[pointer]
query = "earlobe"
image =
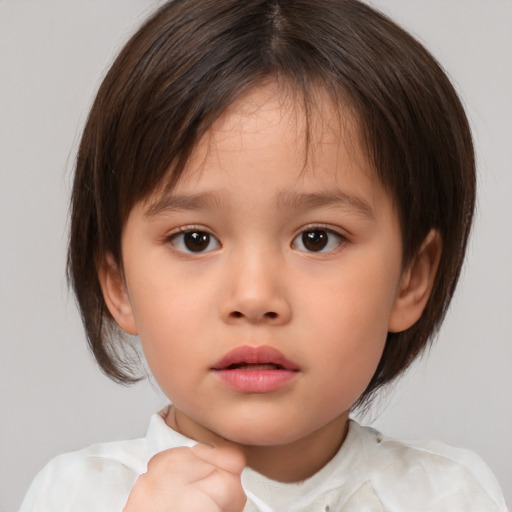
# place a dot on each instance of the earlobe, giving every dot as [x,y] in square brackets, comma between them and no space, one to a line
[416,284]
[115,294]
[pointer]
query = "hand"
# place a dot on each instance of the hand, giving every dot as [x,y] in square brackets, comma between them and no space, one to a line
[197,479]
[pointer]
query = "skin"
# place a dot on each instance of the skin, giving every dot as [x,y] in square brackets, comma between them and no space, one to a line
[201,478]
[257,283]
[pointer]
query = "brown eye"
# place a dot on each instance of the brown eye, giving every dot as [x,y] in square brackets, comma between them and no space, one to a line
[317,240]
[194,241]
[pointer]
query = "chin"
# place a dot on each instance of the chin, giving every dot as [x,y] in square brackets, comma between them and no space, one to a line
[253,438]
[261,433]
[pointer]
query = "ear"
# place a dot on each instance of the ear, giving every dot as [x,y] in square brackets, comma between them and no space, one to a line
[416,284]
[115,294]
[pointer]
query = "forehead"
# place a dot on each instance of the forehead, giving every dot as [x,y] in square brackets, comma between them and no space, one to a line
[272,114]
[281,146]
[277,124]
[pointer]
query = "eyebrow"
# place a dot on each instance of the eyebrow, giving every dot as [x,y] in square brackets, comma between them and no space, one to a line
[300,201]
[171,203]
[285,200]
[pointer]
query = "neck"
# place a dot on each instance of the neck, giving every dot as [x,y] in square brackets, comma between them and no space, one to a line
[292,462]
[301,459]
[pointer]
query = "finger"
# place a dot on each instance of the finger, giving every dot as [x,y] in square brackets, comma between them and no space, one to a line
[227,458]
[224,489]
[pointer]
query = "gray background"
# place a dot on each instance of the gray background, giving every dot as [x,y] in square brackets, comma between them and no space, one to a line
[52,396]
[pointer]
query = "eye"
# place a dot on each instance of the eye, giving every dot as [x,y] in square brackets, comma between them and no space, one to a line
[194,241]
[317,240]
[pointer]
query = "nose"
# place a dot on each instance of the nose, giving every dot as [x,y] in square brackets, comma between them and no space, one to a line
[255,291]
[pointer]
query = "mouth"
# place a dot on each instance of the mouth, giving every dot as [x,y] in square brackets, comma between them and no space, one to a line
[253,370]
[255,358]
[254,366]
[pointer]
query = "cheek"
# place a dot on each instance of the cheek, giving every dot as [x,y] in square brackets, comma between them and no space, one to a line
[344,375]
[160,315]
[352,358]
[161,296]
[350,326]
[357,303]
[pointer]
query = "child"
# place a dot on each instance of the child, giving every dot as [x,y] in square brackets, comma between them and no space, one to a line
[276,197]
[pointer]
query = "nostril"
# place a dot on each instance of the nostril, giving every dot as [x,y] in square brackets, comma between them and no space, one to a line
[272,315]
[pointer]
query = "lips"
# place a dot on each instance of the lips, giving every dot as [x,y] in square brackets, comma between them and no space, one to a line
[255,370]
[263,357]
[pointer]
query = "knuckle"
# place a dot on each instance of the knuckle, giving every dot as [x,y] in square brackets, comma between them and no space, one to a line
[169,458]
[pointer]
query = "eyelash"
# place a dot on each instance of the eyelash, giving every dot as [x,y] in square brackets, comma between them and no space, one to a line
[321,236]
[339,239]
[178,239]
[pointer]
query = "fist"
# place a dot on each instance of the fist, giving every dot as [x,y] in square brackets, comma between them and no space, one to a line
[197,479]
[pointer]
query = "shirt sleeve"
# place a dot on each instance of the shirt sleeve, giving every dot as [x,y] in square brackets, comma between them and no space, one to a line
[80,482]
[432,476]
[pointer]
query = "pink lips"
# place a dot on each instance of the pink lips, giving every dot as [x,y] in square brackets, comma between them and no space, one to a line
[259,369]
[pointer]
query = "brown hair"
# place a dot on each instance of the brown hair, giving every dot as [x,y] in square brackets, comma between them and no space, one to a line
[193,58]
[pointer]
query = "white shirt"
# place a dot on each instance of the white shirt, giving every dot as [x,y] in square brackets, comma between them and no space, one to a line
[370,473]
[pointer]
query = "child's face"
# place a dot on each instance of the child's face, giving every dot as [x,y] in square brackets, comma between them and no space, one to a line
[251,250]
